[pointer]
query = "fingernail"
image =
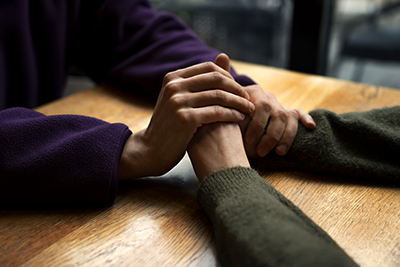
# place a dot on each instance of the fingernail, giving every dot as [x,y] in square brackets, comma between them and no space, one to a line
[312,122]
[247,95]
[282,149]
[252,107]
[250,139]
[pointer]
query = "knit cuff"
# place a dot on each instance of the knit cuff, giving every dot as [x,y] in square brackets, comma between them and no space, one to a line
[226,183]
[115,177]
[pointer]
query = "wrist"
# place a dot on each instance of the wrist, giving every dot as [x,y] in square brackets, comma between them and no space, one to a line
[214,167]
[133,159]
[216,147]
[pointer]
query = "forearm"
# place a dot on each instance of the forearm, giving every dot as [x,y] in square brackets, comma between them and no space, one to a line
[58,160]
[137,46]
[257,226]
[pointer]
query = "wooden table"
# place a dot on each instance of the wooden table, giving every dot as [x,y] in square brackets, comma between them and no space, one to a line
[157,221]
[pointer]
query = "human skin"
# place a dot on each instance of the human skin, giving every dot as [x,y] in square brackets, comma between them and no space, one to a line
[215,147]
[283,121]
[221,145]
[190,97]
[203,94]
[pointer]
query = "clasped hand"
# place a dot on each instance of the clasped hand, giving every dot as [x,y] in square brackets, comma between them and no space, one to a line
[201,95]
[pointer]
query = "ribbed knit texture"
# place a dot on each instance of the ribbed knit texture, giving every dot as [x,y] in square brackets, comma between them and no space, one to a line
[357,144]
[255,225]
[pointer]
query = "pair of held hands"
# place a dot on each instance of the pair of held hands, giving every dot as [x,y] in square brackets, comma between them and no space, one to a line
[203,110]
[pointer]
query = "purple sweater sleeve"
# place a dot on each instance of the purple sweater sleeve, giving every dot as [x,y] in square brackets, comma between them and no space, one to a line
[130,45]
[58,160]
[74,159]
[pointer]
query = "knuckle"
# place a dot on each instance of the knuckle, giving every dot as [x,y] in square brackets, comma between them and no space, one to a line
[176,101]
[183,116]
[274,138]
[218,111]
[264,104]
[217,77]
[293,113]
[171,88]
[208,66]
[219,96]
[266,107]
[258,124]
[170,76]
[282,115]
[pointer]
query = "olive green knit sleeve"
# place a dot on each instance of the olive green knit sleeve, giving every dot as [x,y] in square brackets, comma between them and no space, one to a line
[255,225]
[356,144]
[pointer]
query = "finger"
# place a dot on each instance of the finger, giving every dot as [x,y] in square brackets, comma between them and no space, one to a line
[289,134]
[306,119]
[197,69]
[209,81]
[211,114]
[216,97]
[274,133]
[243,125]
[250,148]
[255,128]
[223,61]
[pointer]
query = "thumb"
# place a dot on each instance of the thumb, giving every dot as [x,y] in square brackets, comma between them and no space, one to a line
[223,61]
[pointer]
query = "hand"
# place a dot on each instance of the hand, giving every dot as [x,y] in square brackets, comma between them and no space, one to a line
[282,124]
[215,147]
[283,121]
[190,98]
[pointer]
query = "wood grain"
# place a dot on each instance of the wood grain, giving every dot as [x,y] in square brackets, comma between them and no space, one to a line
[358,216]
[156,221]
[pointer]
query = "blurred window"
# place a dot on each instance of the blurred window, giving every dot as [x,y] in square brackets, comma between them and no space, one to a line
[365,43]
[254,31]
